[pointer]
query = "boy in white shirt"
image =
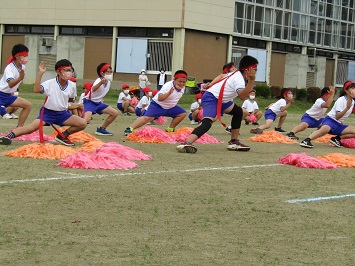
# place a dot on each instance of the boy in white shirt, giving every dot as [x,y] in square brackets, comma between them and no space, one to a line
[55,109]
[164,103]
[195,109]
[124,101]
[314,116]
[254,114]
[144,102]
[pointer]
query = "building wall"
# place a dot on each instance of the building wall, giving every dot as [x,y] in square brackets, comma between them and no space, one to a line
[296,66]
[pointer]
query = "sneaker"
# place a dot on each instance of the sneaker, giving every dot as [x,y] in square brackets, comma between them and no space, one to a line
[292,135]
[236,145]
[14,116]
[229,130]
[7,116]
[169,129]
[64,140]
[279,129]
[246,123]
[256,131]
[186,147]
[193,122]
[255,123]
[5,140]
[126,114]
[336,141]
[306,143]
[128,130]
[103,132]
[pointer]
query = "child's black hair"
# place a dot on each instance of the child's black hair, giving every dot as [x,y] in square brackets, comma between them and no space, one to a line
[62,62]
[343,92]
[227,66]
[324,91]
[246,62]
[283,92]
[19,48]
[99,68]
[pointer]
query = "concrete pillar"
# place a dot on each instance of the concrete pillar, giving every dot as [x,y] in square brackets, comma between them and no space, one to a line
[178,50]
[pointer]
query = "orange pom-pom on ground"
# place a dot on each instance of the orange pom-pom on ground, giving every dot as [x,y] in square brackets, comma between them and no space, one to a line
[272,137]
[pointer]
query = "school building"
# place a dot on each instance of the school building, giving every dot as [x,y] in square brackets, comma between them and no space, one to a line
[299,43]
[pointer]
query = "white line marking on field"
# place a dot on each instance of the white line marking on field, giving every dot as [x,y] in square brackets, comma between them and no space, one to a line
[66,176]
[320,198]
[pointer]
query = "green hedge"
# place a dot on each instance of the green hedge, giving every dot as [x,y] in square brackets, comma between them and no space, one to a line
[263,91]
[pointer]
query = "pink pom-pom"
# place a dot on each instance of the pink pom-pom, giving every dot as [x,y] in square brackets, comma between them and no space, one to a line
[34,136]
[150,135]
[305,161]
[348,143]
[200,114]
[161,120]
[121,151]
[252,118]
[134,101]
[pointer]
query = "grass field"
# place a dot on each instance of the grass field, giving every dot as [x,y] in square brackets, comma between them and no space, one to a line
[214,207]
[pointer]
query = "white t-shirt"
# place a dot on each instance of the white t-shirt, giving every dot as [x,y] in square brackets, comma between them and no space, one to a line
[276,107]
[194,105]
[161,79]
[172,99]
[234,84]
[99,94]
[58,96]
[11,72]
[339,106]
[144,101]
[122,96]
[142,80]
[317,111]
[250,105]
[81,98]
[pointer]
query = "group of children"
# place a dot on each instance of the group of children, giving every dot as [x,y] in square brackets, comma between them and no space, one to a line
[215,99]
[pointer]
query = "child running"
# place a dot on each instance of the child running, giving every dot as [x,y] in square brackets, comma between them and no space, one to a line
[333,122]
[314,116]
[276,110]
[219,98]
[93,101]
[13,75]
[164,103]
[55,108]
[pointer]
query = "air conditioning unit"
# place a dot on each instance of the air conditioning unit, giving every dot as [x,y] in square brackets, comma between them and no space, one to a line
[312,61]
[48,42]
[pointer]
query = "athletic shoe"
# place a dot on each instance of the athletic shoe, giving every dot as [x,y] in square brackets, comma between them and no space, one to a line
[186,147]
[193,122]
[128,130]
[246,123]
[5,140]
[306,143]
[7,116]
[336,141]
[14,116]
[256,131]
[103,132]
[64,140]
[236,145]
[255,123]
[126,114]
[292,135]
[229,130]
[279,129]
[169,129]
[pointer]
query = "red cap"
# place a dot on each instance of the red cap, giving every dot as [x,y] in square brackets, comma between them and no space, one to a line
[125,86]
[73,79]
[198,96]
[155,92]
[146,90]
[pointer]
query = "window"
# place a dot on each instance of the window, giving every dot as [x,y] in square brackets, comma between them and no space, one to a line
[159,55]
[28,29]
[86,31]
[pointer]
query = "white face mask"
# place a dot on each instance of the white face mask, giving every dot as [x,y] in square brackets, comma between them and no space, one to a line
[251,97]
[199,101]
[108,77]
[126,92]
[150,94]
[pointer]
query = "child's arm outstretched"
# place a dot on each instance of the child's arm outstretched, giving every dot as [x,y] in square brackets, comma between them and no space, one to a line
[41,69]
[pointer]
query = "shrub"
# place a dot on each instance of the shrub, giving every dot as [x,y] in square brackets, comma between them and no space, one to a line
[263,90]
[275,91]
[302,94]
[313,93]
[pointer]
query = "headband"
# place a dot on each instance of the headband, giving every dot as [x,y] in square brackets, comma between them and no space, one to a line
[248,67]
[347,84]
[104,67]
[180,75]
[62,67]
[12,58]
[286,92]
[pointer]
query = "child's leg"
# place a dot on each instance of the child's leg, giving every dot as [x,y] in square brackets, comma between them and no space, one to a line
[282,118]
[195,114]
[177,119]
[267,124]
[349,132]
[320,132]
[75,124]
[19,131]
[87,116]
[112,116]
[26,108]
[301,127]
[142,120]
[258,115]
